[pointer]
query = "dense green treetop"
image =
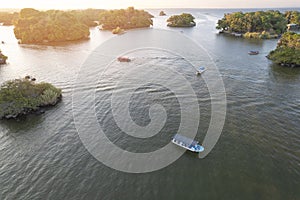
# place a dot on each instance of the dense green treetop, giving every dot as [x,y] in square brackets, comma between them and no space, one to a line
[293,17]
[287,51]
[8,18]
[35,26]
[270,21]
[125,18]
[89,17]
[183,20]
[21,96]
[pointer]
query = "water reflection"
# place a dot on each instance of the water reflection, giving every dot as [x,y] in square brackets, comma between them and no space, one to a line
[281,73]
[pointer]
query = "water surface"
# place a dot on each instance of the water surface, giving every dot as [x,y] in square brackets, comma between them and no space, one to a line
[257,156]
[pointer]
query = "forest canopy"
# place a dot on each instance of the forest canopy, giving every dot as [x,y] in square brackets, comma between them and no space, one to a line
[271,22]
[7,18]
[89,17]
[287,51]
[35,26]
[293,17]
[125,19]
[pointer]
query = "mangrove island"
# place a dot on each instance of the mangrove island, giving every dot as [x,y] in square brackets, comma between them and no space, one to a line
[183,20]
[35,26]
[162,13]
[125,19]
[260,24]
[23,96]
[287,52]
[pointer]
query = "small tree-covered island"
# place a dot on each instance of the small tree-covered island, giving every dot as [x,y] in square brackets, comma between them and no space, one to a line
[183,20]
[260,24]
[162,13]
[23,96]
[35,26]
[287,52]
[125,19]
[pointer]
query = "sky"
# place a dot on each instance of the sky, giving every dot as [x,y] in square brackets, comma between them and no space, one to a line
[110,4]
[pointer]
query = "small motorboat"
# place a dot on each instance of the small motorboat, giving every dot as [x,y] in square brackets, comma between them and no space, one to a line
[200,70]
[124,59]
[187,143]
[253,52]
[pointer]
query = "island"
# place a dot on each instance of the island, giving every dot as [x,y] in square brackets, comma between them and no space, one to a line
[7,18]
[23,96]
[125,19]
[3,58]
[183,20]
[287,52]
[260,24]
[162,13]
[35,26]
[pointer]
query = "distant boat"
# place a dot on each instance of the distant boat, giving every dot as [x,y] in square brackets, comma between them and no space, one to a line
[187,143]
[124,59]
[253,52]
[200,70]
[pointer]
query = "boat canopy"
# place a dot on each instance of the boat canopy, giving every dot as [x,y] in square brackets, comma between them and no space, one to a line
[185,140]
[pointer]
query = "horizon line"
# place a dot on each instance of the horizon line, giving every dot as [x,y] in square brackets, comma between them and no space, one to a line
[225,8]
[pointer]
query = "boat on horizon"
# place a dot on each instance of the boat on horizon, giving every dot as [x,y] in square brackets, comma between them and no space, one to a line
[187,143]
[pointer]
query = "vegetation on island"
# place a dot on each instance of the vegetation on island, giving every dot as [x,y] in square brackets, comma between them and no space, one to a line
[7,18]
[183,20]
[260,24]
[89,17]
[125,19]
[287,52]
[118,30]
[35,26]
[23,96]
[293,17]
[3,58]
[162,13]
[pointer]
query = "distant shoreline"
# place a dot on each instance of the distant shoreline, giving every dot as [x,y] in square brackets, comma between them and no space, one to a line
[175,8]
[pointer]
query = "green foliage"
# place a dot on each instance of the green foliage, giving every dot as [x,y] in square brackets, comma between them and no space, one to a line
[270,21]
[34,26]
[8,18]
[183,20]
[3,58]
[22,95]
[117,30]
[287,51]
[162,13]
[89,17]
[293,17]
[258,35]
[125,19]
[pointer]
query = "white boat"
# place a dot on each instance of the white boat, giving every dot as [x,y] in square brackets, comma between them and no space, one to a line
[187,143]
[200,70]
